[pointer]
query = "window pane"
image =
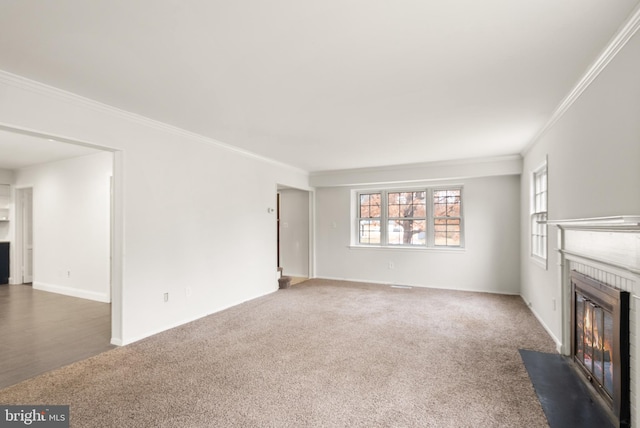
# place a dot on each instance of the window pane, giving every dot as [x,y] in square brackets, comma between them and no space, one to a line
[406,232]
[370,205]
[369,231]
[406,210]
[407,205]
[539,209]
[420,210]
[446,203]
[539,235]
[447,232]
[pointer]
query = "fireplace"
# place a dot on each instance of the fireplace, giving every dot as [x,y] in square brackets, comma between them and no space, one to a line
[600,341]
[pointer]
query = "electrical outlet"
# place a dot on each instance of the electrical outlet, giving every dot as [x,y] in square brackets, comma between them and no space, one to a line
[166,297]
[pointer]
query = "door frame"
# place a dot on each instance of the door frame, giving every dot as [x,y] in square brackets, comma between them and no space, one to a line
[117,223]
[312,226]
[20,245]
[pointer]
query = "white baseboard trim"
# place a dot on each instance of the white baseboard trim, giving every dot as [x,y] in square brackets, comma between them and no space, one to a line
[129,341]
[544,325]
[420,285]
[73,292]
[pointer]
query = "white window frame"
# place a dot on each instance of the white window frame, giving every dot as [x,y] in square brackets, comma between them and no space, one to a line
[538,233]
[384,218]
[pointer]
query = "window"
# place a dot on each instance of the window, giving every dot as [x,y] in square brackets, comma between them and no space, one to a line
[447,217]
[369,220]
[407,218]
[539,213]
[410,218]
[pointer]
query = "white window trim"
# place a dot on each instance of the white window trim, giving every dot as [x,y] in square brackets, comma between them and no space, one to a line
[535,211]
[384,219]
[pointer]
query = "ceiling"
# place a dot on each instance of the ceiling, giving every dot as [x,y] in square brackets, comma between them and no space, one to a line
[20,150]
[321,85]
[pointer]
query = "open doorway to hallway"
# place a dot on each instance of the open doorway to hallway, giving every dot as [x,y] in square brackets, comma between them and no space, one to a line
[294,217]
[23,251]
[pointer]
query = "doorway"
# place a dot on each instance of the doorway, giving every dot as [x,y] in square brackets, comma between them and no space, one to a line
[24,236]
[42,149]
[294,240]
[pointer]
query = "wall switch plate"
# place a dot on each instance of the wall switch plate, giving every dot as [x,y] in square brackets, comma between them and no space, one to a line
[166,297]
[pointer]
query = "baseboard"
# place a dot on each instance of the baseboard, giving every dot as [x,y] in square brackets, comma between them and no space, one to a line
[557,341]
[188,320]
[73,292]
[367,281]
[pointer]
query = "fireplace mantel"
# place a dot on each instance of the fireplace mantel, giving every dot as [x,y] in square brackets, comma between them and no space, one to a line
[622,222]
[606,249]
[614,241]
[608,244]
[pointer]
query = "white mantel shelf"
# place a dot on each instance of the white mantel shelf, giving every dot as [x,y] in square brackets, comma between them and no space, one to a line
[614,241]
[608,248]
[614,222]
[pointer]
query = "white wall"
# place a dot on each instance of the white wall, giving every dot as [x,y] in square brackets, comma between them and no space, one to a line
[489,262]
[71,225]
[181,228]
[6,176]
[294,232]
[593,169]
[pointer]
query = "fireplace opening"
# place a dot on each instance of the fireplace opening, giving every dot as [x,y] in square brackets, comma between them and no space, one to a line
[600,341]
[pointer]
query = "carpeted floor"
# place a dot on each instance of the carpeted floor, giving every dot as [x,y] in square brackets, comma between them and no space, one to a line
[320,354]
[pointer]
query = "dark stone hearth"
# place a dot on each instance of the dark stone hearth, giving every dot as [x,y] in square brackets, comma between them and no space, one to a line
[564,397]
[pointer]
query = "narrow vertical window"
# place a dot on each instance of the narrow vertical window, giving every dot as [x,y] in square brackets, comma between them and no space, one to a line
[369,216]
[446,217]
[539,213]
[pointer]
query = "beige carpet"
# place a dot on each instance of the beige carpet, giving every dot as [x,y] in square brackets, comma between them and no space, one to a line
[320,354]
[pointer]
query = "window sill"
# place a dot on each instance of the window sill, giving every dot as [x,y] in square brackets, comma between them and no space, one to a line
[400,248]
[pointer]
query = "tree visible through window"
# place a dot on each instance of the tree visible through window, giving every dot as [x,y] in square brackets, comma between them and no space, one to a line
[447,219]
[417,217]
[369,219]
[407,214]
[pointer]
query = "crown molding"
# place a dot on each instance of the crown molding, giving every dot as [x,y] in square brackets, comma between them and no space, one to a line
[21,82]
[421,165]
[615,45]
[429,172]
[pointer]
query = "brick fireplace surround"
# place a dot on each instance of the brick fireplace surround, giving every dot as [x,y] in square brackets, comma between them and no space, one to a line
[606,249]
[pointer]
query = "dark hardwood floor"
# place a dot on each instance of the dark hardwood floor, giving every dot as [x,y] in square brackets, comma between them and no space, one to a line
[41,331]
